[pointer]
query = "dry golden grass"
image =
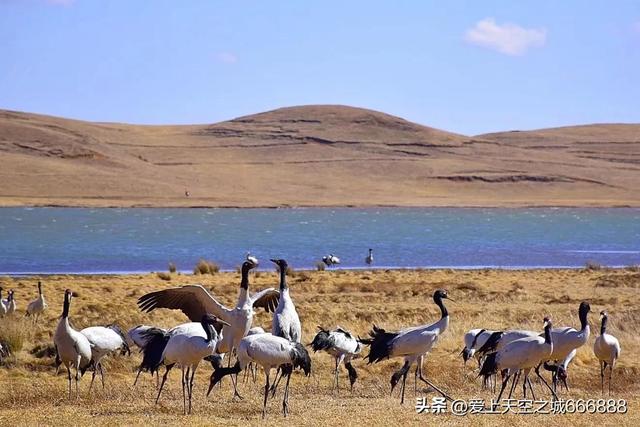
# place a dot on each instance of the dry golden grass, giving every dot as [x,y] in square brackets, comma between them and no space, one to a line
[30,393]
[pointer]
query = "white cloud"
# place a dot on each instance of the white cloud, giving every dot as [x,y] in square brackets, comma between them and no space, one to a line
[227,57]
[510,39]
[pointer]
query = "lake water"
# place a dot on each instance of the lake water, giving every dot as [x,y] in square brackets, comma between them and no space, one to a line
[53,240]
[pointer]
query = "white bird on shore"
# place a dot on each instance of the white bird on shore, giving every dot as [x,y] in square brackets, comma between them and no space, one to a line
[521,355]
[410,343]
[188,350]
[330,260]
[195,301]
[369,258]
[3,306]
[9,303]
[607,350]
[104,341]
[343,346]
[38,305]
[268,351]
[74,349]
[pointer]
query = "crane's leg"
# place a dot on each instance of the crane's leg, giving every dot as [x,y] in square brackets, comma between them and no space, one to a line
[185,378]
[101,374]
[404,380]
[531,387]
[610,375]
[555,396]
[164,379]
[602,375]
[516,377]
[69,378]
[266,394]
[78,360]
[138,376]
[285,399]
[93,377]
[418,372]
[193,373]
[247,373]
[429,383]
[505,380]
[276,381]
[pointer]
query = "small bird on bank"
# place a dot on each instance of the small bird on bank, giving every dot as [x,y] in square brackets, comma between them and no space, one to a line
[330,260]
[74,349]
[38,305]
[343,346]
[369,258]
[607,350]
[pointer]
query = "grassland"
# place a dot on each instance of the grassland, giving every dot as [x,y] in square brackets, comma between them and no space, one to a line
[30,393]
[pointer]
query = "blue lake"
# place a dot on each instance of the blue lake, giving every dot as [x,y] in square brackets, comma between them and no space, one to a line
[73,240]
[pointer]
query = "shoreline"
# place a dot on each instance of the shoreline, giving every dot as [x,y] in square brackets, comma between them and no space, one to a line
[382,269]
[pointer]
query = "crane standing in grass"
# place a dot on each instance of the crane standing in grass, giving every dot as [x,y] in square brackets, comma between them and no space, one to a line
[74,349]
[268,351]
[343,346]
[410,343]
[195,301]
[104,341]
[38,305]
[188,350]
[607,350]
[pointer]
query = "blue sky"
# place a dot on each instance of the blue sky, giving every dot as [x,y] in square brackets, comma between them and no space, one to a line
[464,66]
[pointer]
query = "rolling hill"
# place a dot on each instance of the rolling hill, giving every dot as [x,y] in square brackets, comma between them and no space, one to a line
[320,155]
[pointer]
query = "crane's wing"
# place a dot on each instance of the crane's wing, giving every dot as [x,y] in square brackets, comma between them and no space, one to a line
[267,299]
[194,301]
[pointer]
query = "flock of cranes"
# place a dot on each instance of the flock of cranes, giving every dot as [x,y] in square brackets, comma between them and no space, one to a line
[216,332]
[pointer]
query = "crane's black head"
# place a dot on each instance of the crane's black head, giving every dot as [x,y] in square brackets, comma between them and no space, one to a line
[281,263]
[248,265]
[547,322]
[584,307]
[441,294]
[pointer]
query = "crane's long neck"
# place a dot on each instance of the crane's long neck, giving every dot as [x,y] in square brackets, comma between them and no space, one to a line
[583,320]
[547,334]
[243,296]
[443,309]
[603,326]
[39,289]
[283,279]
[65,308]
[208,329]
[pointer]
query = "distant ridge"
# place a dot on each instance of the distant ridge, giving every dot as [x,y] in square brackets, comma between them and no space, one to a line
[314,155]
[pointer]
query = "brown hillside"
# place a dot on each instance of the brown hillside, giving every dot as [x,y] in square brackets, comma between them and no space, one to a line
[312,156]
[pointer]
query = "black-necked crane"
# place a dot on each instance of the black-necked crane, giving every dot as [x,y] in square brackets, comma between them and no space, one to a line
[343,346]
[104,340]
[410,343]
[285,322]
[560,370]
[38,305]
[369,258]
[9,303]
[252,369]
[195,301]
[74,349]
[607,350]
[3,306]
[268,351]
[153,341]
[188,350]
[330,260]
[566,339]
[520,355]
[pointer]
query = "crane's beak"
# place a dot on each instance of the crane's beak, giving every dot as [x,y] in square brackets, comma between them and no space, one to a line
[452,300]
[273,260]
